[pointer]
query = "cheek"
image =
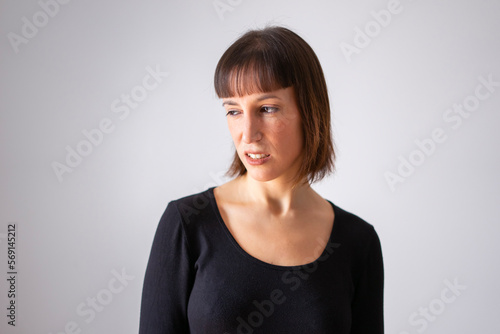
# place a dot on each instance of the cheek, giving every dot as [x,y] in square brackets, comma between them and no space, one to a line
[284,125]
[280,127]
[233,130]
[289,129]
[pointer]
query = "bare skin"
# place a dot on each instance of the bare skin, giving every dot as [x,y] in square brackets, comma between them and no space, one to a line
[293,238]
[271,220]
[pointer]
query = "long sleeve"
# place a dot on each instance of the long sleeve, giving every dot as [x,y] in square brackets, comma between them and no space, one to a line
[168,279]
[368,301]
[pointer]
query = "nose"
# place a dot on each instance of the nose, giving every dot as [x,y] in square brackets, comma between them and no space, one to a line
[251,129]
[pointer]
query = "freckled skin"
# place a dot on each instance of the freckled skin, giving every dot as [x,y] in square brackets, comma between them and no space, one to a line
[278,133]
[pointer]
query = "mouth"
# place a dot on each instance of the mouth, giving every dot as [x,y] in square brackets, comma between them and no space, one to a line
[257,156]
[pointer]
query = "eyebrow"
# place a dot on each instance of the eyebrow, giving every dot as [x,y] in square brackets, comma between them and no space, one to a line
[229,102]
[263,97]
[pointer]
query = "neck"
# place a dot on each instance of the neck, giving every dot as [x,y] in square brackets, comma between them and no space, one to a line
[278,196]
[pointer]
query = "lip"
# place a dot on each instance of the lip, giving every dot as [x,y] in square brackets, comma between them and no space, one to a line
[255,152]
[256,162]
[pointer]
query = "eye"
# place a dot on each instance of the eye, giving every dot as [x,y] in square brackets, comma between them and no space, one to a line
[269,110]
[232,113]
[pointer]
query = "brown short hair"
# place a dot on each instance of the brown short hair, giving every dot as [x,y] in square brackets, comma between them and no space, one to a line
[272,58]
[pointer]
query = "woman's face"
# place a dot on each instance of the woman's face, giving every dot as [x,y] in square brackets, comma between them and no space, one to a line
[267,133]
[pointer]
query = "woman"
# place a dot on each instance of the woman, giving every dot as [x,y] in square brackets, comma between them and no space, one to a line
[264,253]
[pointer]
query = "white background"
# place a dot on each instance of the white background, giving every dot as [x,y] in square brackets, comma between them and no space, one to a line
[439,223]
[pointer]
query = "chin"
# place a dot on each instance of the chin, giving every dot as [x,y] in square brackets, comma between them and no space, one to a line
[261,176]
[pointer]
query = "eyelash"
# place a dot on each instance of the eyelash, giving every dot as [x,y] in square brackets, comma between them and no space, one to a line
[274,109]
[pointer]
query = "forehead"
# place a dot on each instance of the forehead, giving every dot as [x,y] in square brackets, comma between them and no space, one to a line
[284,95]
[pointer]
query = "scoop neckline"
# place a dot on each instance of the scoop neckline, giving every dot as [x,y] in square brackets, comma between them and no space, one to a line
[261,262]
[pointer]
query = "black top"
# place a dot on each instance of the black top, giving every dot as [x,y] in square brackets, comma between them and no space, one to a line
[199,280]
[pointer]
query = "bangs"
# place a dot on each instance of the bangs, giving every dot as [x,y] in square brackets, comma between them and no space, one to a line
[245,70]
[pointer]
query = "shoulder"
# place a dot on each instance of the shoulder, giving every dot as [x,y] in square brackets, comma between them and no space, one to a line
[353,230]
[350,222]
[359,241]
[186,219]
[189,210]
